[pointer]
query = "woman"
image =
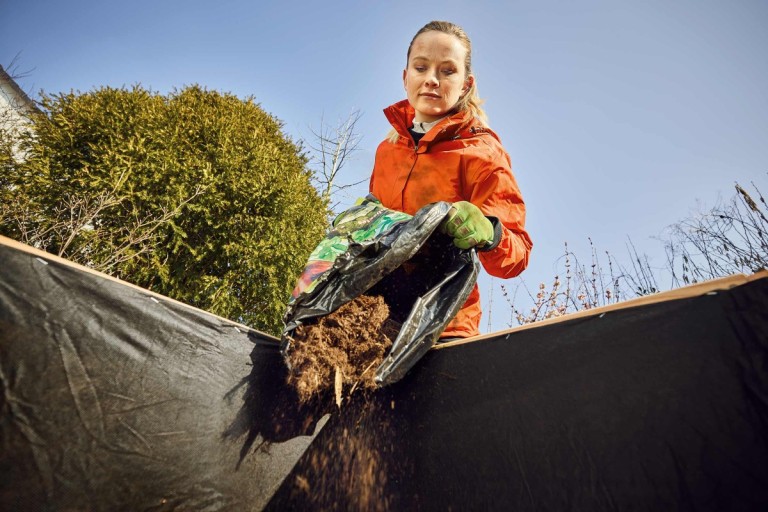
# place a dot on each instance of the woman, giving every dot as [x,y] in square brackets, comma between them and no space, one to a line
[440,149]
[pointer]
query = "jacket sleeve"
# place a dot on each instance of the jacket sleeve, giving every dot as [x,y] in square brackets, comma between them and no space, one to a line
[490,185]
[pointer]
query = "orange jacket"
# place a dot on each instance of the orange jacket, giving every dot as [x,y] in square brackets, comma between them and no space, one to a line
[459,159]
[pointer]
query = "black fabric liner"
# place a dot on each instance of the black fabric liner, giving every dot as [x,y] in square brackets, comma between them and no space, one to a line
[115,399]
[659,407]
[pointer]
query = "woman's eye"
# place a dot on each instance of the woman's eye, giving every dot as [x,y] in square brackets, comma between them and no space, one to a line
[448,71]
[420,69]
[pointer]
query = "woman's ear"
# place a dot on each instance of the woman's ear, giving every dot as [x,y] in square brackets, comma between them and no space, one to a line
[468,83]
[405,84]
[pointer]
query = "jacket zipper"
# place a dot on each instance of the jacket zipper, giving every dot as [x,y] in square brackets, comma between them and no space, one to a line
[407,178]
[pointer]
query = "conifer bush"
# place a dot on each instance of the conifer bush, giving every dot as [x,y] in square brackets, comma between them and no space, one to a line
[197,195]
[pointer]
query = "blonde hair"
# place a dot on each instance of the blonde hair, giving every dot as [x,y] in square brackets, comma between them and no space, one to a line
[470,101]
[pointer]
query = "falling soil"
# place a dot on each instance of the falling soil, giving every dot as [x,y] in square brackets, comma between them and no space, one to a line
[359,459]
[342,350]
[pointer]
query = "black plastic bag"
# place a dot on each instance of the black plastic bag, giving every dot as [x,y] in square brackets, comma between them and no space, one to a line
[422,276]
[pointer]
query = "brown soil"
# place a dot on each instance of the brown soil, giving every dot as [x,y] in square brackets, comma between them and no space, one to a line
[342,350]
[361,456]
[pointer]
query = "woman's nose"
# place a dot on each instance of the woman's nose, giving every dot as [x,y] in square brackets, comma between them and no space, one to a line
[432,80]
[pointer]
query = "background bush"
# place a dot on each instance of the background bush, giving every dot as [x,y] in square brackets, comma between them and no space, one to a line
[196,195]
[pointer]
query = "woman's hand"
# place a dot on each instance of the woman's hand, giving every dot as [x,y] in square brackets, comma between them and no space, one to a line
[468,226]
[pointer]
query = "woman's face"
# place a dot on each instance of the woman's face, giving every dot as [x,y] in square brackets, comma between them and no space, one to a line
[435,78]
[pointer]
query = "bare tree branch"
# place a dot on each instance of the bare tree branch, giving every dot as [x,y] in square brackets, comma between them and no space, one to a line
[332,146]
[13,68]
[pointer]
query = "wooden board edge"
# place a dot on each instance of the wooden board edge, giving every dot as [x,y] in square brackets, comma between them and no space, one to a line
[684,292]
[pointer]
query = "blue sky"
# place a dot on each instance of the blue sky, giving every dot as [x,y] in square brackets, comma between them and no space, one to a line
[620,117]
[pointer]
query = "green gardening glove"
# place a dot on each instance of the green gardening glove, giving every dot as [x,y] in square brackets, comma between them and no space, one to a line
[468,226]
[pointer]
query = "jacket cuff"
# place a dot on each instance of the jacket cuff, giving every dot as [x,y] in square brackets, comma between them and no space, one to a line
[496,235]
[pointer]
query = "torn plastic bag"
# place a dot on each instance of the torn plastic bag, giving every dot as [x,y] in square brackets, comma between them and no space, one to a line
[422,276]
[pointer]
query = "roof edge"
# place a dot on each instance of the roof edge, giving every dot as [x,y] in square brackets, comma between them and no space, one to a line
[27,103]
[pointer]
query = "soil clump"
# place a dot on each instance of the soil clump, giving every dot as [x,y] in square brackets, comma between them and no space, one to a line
[341,350]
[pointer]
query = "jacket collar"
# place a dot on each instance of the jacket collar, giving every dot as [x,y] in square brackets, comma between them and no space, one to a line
[401,115]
